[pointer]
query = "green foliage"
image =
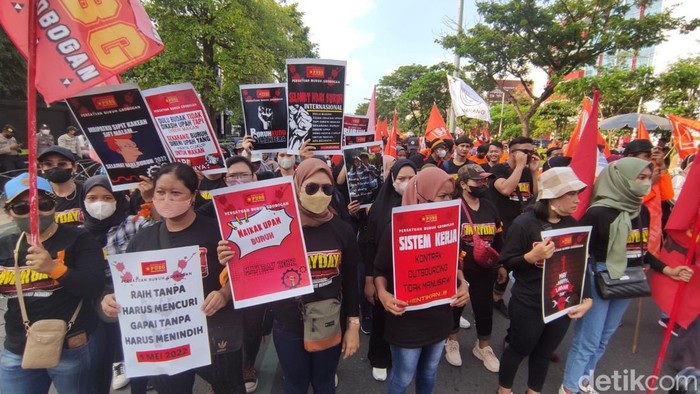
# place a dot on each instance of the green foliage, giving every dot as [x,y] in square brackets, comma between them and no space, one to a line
[679,87]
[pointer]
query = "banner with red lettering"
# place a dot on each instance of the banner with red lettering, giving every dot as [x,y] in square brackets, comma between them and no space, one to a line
[355,125]
[265,115]
[163,328]
[262,224]
[316,100]
[564,274]
[184,125]
[81,43]
[425,241]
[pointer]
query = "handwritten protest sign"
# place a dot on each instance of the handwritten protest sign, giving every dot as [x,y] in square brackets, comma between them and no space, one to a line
[564,274]
[265,115]
[185,127]
[365,170]
[164,330]
[261,221]
[425,241]
[316,99]
[118,124]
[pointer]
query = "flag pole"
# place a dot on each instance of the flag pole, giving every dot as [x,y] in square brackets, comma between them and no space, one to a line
[31,123]
[676,305]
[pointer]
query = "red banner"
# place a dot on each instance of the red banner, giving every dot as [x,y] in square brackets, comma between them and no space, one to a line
[261,221]
[425,241]
[81,43]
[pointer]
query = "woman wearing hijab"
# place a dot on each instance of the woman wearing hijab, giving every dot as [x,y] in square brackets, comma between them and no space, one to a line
[389,196]
[416,337]
[619,221]
[523,253]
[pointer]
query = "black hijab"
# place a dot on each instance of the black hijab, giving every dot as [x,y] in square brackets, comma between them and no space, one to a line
[99,228]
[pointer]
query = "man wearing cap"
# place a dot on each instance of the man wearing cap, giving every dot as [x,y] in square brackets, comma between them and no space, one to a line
[70,141]
[60,275]
[57,164]
[10,150]
[462,147]
[44,139]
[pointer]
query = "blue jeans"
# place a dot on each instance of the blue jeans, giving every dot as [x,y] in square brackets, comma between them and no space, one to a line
[420,362]
[75,373]
[302,368]
[592,334]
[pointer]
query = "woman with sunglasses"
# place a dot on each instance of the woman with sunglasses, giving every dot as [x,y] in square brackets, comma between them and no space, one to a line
[173,199]
[63,272]
[523,253]
[416,337]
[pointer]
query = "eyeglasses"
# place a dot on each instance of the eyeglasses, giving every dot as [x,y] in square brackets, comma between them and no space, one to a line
[312,188]
[22,208]
[239,175]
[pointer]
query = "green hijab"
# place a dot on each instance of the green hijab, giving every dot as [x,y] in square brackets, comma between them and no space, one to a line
[616,187]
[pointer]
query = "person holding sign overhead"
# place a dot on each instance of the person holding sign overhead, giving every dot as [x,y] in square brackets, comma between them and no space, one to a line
[524,253]
[416,337]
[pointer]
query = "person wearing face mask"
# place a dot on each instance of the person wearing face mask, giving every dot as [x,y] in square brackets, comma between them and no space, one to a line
[64,272]
[379,219]
[44,139]
[173,198]
[619,219]
[472,189]
[416,337]
[58,165]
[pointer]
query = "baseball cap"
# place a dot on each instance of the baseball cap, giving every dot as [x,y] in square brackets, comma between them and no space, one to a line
[558,181]
[637,146]
[473,171]
[57,150]
[19,184]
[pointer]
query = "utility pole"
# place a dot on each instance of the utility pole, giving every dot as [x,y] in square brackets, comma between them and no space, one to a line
[451,116]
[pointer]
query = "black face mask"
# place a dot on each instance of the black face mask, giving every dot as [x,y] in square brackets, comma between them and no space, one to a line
[58,175]
[479,191]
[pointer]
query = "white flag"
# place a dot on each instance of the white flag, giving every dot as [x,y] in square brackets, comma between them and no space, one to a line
[466,102]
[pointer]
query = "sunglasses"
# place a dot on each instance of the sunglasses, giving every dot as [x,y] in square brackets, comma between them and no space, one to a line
[22,208]
[312,188]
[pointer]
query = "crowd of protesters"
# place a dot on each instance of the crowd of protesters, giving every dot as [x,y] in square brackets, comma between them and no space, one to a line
[508,190]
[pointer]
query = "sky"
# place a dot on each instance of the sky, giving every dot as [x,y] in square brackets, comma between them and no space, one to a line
[378,36]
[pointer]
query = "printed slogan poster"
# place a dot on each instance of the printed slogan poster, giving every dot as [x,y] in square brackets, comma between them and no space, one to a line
[116,121]
[185,127]
[564,274]
[316,99]
[425,241]
[265,115]
[261,221]
[164,330]
[354,126]
[365,171]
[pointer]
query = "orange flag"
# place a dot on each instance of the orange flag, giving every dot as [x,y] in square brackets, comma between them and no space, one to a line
[642,132]
[583,116]
[686,135]
[390,148]
[436,126]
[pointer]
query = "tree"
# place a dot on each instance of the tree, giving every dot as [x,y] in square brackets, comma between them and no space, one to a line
[219,44]
[679,87]
[558,37]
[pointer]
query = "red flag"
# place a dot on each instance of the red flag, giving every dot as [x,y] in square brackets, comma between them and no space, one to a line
[390,148]
[642,132]
[583,116]
[436,126]
[372,114]
[81,43]
[686,135]
[585,156]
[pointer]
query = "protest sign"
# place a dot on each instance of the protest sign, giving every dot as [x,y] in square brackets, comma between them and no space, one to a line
[163,328]
[564,274]
[425,241]
[365,171]
[261,220]
[355,125]
[316,99]
[118,124]
[361,139]
[265,115]
[185,127]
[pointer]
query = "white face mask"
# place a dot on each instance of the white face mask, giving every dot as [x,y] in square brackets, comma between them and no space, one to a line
[101,210]
[286,163]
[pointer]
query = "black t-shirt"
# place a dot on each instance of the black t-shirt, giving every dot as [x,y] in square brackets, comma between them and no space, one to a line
[489,227]
[333,256]
[46,298]
[509,207]
[413,329]
[601,218]
[68,208]
[225,324]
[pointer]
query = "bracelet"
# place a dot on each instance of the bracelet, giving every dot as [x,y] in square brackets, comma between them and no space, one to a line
[354,320]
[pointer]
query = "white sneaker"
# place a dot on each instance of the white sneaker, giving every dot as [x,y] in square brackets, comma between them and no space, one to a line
[486,355]
[119,379]
[464,323]
[379,374]
[452,353]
